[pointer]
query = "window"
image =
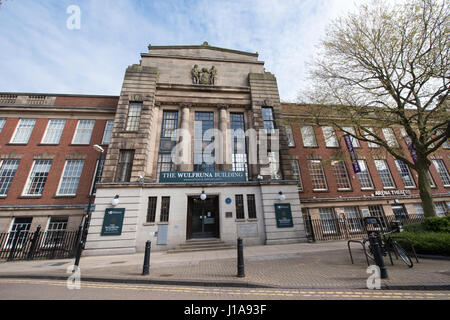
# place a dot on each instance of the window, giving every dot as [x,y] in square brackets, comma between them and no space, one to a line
[274,165]
[83,132]
[290,137]
[23,131]
[430,177]
[22,224]
[389,135]
[239,206]
[364,176]
[203,141]
[38,176]
[329,135]
[308,136]
[108,131]
[165,206]
[328,220]
[71,177]
[2,123]
[54,131]
[251,205]
[8,170]
[385,174]
[355,142]
[125,165]
[134,117]
[353,218]
[399,212]
[297,174]
[98,175]
[405,174]
[151,209]
[55,231]
[369,137]
[169,124]
[419,210]
[168,129]
[267,114]
[317,175]
[442,171]
[441,209]
[445,145]
[341,174]
[239,155]
[377,211]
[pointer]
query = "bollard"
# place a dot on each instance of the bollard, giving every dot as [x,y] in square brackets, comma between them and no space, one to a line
[240,258]
[378,255]
[146,268]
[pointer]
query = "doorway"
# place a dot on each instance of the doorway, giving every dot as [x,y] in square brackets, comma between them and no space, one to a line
[203,218]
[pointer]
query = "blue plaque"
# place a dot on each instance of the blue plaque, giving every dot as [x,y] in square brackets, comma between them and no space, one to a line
[228,200]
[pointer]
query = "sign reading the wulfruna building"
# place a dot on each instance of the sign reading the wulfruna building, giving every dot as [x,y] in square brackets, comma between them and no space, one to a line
[202,177]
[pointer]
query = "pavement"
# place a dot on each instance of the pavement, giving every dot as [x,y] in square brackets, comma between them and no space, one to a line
[324,265]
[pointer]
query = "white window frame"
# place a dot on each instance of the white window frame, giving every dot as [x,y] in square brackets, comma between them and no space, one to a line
[2,123]
[322,173]
[388,171]
[390,138]
[298,174]
[443,175]
[12,178]
[328,219]
[28,183]
[77,132]
[58,193]
[308,136]
[20,243]
[353,216]
[109,124]
[330,137]
[333,163]
[369,137]
[46,132]
[17,130]
[397,164]
[290,136]
[368,174]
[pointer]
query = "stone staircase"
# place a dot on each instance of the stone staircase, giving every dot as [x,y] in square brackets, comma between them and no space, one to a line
[205,244]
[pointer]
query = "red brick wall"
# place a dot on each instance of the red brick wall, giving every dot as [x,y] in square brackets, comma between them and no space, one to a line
[60,151]
[325,153]
[77,101]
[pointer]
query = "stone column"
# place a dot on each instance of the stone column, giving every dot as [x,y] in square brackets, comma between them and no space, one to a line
[224,153]
[185,139]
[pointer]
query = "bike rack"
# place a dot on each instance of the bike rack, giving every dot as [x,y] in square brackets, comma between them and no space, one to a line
[350,251]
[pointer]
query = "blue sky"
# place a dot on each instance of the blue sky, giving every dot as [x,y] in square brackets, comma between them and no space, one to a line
[38,53]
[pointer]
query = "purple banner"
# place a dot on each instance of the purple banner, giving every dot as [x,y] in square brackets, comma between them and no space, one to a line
[353,158]
[411,149]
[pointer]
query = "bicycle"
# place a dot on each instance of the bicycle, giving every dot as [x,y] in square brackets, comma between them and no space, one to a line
[388,245]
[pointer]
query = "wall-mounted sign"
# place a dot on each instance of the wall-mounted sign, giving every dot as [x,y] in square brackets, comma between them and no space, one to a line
[202,177]
[113,221]
[392,193]
[365,213]
[353,157]
[283,215]
[228,214]
[228,200]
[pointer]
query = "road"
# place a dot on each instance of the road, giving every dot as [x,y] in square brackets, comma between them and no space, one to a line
[26,289]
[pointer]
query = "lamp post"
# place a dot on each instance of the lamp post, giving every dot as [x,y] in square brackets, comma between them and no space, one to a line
[87,217]
[203,198]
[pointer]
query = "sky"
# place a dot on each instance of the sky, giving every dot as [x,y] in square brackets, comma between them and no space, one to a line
[42,52]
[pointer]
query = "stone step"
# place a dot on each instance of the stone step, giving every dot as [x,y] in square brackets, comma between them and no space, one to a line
[179,250]
[201,245]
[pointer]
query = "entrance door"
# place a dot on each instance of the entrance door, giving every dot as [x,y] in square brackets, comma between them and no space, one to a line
[206,211]
[399,212]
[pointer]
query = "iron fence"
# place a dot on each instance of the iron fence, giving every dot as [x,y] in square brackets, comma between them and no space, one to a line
[24,245]
[350,228]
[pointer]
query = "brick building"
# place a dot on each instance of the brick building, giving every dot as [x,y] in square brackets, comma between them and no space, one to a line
[47,159]
[172,98]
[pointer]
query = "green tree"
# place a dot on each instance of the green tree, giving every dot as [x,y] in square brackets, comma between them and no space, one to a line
[387,65]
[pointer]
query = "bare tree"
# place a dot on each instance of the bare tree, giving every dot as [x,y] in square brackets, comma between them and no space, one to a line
[387,65]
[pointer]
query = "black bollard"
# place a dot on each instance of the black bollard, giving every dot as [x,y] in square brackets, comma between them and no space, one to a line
[375,244]
[240,258]
[146,268]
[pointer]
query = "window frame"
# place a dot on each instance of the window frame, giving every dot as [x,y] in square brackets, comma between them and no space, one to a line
[61,180]
[58,140]
[398,164]
[76,133]
[14,136]
[4,183]
[331,134]
[107,132]
[338,177]
[310,162]
[121,166]
[134,120]
[359,174]
[444,175]
[28,183]
[389,174]
[308,135]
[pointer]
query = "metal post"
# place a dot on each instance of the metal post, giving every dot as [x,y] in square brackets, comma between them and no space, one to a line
[378,255]
[240,258]
[146,268]
[34,243]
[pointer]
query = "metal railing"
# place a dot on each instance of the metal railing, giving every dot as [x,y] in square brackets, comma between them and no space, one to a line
[25,245]
[350,228]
